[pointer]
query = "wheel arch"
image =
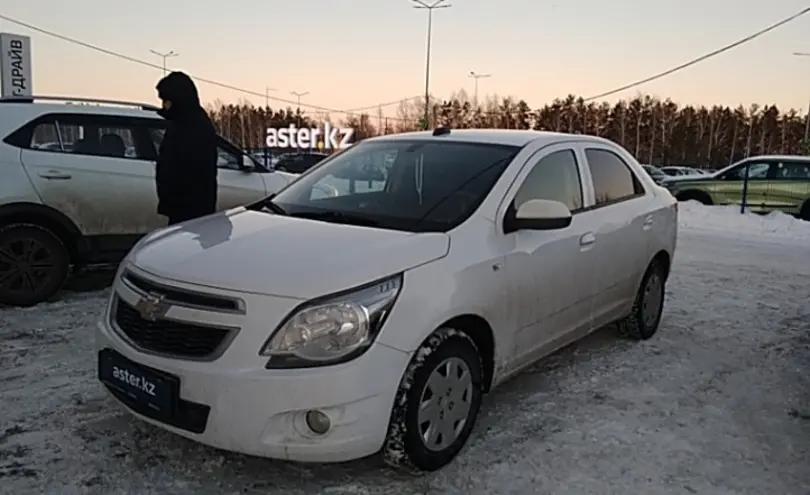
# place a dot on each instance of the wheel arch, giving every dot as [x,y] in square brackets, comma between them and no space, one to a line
[49,218]
[481,333]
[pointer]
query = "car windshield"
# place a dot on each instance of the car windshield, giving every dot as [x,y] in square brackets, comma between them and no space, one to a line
[411,185]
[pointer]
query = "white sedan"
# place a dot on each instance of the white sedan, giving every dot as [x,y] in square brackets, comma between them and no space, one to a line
[325,328]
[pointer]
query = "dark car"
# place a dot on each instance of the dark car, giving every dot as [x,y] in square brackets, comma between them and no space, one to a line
[656,173]
[298,163]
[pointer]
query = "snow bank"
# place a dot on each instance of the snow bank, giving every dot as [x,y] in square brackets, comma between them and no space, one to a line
[727,220]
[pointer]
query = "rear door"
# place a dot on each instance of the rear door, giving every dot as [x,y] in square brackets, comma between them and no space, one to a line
[788,186]
[98,170]
[623,233]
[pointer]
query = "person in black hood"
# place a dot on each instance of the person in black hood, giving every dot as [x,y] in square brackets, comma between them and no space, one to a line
[186,172]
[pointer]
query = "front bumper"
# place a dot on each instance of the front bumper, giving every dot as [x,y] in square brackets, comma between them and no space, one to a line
[240,406]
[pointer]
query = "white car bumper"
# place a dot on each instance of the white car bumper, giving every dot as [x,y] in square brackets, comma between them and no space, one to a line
[234,403]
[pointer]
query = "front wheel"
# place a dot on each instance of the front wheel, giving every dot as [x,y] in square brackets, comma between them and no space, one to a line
[437,403]
[34,264]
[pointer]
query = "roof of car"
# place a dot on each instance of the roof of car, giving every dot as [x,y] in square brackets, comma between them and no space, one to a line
[18,109]
[791,158]
[509,137]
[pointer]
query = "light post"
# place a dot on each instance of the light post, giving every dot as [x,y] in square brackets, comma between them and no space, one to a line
[436,4]
[298,110]
[164,56]
[807,120]
[476,76]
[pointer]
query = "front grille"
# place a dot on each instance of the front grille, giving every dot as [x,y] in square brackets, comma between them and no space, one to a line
[167,337]
[182,297]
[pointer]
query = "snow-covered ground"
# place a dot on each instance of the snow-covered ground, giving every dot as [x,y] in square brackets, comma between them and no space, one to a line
[717,403]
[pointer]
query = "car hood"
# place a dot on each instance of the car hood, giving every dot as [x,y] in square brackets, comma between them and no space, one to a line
[262,253]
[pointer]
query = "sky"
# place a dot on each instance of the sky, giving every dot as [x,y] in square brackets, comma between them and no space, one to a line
[348,54]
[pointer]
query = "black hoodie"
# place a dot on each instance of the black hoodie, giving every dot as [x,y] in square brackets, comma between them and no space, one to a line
[186,173]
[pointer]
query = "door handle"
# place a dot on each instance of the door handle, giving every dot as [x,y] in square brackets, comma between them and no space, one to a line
[648,222]
[54,175]
[587,239]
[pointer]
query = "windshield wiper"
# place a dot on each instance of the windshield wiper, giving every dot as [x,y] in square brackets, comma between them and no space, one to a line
[336,217]
[267,204]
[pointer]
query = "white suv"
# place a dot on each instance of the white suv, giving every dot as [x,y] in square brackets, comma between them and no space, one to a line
[315,328]
[77,187]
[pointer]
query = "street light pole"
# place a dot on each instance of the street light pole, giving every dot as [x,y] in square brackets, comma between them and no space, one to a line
[807,121]
[437,4]
[164,56]
[298,110]
[477,77]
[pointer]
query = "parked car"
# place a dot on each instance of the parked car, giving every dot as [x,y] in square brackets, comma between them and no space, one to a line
[677,171]
[775,183]
[327,329]
[78,188]
[298,163]
[655,173]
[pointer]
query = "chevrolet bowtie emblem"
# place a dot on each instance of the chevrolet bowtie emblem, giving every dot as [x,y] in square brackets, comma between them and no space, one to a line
[151,307]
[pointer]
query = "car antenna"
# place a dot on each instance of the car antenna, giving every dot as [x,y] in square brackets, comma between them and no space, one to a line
[441,131]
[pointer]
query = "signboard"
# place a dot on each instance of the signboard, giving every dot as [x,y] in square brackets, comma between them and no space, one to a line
[15,66]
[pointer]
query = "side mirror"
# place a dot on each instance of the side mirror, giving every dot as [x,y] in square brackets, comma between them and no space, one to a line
[540,214]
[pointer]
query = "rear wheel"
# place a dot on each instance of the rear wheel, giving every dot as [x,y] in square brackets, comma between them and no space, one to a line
[698,196]
[644,318]
[34,264]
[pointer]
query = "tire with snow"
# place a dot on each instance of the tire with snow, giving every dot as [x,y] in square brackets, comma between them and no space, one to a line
[437,403]
[34,264]
[644,318]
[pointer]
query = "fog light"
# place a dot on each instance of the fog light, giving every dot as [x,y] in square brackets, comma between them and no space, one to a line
[318,422]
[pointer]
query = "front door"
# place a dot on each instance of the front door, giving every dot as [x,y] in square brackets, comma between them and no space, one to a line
[729,188]
[551,283]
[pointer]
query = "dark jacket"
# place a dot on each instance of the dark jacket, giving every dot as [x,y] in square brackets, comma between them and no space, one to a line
[186,172]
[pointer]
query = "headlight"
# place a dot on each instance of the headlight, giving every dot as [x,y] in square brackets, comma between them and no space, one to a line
[332,330]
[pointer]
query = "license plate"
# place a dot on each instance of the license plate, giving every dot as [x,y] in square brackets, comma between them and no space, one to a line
[145,388]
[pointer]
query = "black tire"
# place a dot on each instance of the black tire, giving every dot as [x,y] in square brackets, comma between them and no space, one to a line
[34,264]
[804,213]
[404,446]
[636,325]
[698,196]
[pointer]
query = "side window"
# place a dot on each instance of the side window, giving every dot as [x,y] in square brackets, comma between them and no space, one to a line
[228,159]
[46,137]
[83,136]
[555,177]
[612,178]
[756,171]
[792,171]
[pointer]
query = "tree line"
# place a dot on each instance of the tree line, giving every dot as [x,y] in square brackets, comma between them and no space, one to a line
[656,131]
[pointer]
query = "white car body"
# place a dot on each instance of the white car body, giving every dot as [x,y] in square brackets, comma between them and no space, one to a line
[535,291]
[99,203]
